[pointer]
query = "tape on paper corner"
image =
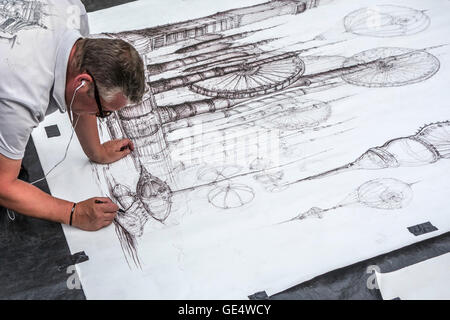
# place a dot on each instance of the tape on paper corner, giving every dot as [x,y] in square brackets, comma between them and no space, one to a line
[73,259]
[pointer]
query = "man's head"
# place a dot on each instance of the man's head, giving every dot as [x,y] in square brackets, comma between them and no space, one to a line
[112,72]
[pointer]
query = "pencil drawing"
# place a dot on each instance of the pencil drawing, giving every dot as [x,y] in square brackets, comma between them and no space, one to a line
[272,181]
[152,199]
[213,174]
[217,84]
[222,42]
[427,146]
[287,65]
[384,193]
[230,195]
[226,114]
[391,67]
[150,39]
[379,21]
[386,21]
[252,79]
[225,194]
[298,114]
[234,52]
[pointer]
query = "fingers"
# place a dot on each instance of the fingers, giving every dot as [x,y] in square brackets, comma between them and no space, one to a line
[117,149]
[109,216]
[126,144]
[125,152]
[95,213]
[106,219]
[102,200]
[106,223]
[108,207]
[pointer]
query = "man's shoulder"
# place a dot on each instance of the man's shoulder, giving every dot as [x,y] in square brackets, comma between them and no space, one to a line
[70,15]
[36,26]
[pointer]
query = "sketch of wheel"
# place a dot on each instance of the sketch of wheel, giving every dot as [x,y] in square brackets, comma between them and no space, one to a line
[253,80]
[389,67]
[212,174]
[386,21]
[387,193]
[229,196]
[437,136]
[383,193]
[298,114]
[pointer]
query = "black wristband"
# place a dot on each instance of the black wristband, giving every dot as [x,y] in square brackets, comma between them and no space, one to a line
[71,213]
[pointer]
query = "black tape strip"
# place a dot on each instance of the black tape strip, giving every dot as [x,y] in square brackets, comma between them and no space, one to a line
[422,228]
[74,259]
[262,295]
[52,131]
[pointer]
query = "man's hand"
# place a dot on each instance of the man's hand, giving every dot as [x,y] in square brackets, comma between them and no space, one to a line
[91,215]
[115,150]
[105,153]
[25,198]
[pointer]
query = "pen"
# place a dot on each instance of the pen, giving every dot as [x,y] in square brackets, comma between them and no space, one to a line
[120,210]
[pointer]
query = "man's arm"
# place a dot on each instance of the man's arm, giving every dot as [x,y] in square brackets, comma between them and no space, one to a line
[108,152]
[29,200]
[24,198]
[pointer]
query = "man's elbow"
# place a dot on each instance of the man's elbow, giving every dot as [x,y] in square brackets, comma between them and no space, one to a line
[7,185]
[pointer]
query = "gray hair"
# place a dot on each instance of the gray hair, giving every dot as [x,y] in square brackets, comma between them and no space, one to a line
[116,66]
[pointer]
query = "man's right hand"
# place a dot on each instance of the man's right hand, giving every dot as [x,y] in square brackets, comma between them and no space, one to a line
[91,215]
[25,198]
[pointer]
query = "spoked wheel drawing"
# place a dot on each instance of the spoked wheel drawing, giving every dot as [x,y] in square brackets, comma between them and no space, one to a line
[253,79]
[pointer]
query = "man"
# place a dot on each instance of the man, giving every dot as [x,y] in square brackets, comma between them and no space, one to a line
[46,65]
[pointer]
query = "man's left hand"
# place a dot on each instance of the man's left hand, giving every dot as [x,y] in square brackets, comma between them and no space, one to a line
[115,150]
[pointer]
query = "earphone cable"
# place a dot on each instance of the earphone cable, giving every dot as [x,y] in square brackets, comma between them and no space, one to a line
[70,140]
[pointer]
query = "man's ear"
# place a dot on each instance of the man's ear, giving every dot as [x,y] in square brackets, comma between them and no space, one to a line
[82,82]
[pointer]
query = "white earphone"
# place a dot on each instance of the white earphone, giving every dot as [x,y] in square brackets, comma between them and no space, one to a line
[81,85]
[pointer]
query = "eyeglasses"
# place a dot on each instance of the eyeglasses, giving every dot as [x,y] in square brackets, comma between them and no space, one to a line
[101,114]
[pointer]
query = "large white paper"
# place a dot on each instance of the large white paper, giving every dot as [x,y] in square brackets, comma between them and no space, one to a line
[313,145]
[427,280]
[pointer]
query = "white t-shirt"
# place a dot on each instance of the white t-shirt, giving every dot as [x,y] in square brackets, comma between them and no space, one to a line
[36,38]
